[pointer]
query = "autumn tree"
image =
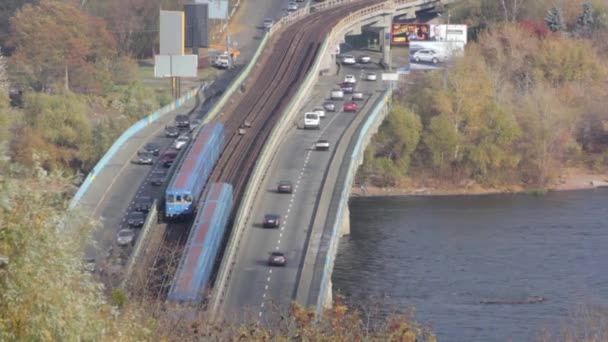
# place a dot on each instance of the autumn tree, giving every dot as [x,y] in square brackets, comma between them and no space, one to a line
[555,19]
[57,46]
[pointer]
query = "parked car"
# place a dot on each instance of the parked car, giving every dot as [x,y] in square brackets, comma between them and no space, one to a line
[277,259]
[350,107]
[158,177]
[195,123]
[221,61]
[357,96]
[152,148]
[292,6]
[348,60]
[143,204]
[329,106]
[320,111]
[182,121]
[125,237]
[144,158]
[350,79]
[268,22]
[136,219]
[371,76]
[272,221]
[168,158]
[322,145]
[427,55]
[180,142]
[285,187]
[337,94]
[365,59]
[171,131]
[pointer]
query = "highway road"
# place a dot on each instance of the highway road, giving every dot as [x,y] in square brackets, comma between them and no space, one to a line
[255,287]
[113,194]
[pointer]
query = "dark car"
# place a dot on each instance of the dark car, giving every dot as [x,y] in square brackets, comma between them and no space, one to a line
[143,204]
[171,131]
[322,145]
[158,177]
[168,158]
[152,148]
[277,259]
[182,121]
[136,219]
[272,221]
[347,87]
[144,158]
[285,186]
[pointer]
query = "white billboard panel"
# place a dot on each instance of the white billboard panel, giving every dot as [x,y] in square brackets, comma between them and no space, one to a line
[393,76]
[172,32]
[175,66]
[433,55]
[218,9]
[449,33]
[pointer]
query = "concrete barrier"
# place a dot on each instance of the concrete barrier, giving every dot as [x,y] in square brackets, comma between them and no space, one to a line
[368,129]
[131,131]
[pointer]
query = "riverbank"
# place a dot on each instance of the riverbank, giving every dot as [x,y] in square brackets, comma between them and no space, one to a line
[571,179]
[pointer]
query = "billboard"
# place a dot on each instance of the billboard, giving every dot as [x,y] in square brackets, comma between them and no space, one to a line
[449,33]
[172,32]
[175,66]
[197,25]
[404,33]
[218,9]
[433,55]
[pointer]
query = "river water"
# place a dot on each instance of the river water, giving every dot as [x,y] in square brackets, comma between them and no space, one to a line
[445,255]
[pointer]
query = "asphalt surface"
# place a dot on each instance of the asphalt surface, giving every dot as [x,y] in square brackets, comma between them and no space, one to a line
[255,287]
[115,190]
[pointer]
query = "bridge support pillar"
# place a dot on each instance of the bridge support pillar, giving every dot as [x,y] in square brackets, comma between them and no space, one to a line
[385,40]
[345,222]
[328,302]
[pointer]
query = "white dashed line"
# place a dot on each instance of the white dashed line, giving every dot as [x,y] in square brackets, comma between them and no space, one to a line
[280,235]
[262,305]
[266,288]
[268,279]
[264,295]
[260,314]
[270,270]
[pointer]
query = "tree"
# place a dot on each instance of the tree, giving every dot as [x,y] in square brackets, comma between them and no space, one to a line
[585,21]
[555,19]
[51,41]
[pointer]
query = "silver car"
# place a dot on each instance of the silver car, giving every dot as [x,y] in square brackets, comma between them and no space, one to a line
[292,6]
[357,96]
[268,22]
[427,55]
[329,106]
[125,237]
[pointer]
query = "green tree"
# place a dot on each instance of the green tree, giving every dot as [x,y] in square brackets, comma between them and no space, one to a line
[441,140]
[404,128]
[555,19]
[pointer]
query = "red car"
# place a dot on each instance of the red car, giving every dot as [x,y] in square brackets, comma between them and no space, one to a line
[168,157]
[350,107]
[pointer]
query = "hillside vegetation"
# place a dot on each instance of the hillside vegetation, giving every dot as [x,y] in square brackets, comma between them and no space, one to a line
[523,103]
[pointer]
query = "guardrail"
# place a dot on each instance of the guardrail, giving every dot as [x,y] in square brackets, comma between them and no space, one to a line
[142,240]
[364,136]
[131,131]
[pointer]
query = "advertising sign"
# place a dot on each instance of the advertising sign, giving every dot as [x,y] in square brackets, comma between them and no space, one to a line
[449,33]
[218,9]
[404,33]
[432,55]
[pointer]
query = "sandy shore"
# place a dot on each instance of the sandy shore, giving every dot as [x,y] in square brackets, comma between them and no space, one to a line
[571,179]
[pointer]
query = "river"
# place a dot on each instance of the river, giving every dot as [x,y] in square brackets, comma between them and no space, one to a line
[445,255]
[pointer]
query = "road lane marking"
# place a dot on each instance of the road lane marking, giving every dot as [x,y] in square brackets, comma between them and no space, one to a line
[266,288]
[262,305]
[260,315]
[270,270]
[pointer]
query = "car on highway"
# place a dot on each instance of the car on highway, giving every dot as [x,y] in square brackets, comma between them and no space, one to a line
[268,22]
[320,111]
[143,204]
[347,87]
[350,79]
[285,187]
[182,121]
[171,131]
[371,76]
[181,141]
[329,106]
[312,120]
[221,61]
[144,158]
[136,219]
[168,158]
[337,94]
[348,60]
[195,123]
[158,177]
[321,145]
[125,237]
[292,6]
[427,55]
[364,59]
[272,221]
[357,96]
[277,258]
[350,107]
[152,148]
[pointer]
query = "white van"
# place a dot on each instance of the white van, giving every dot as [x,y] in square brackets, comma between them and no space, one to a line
[337,94]
[311,120]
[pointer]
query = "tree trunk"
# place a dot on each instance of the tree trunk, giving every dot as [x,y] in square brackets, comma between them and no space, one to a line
[67,78]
